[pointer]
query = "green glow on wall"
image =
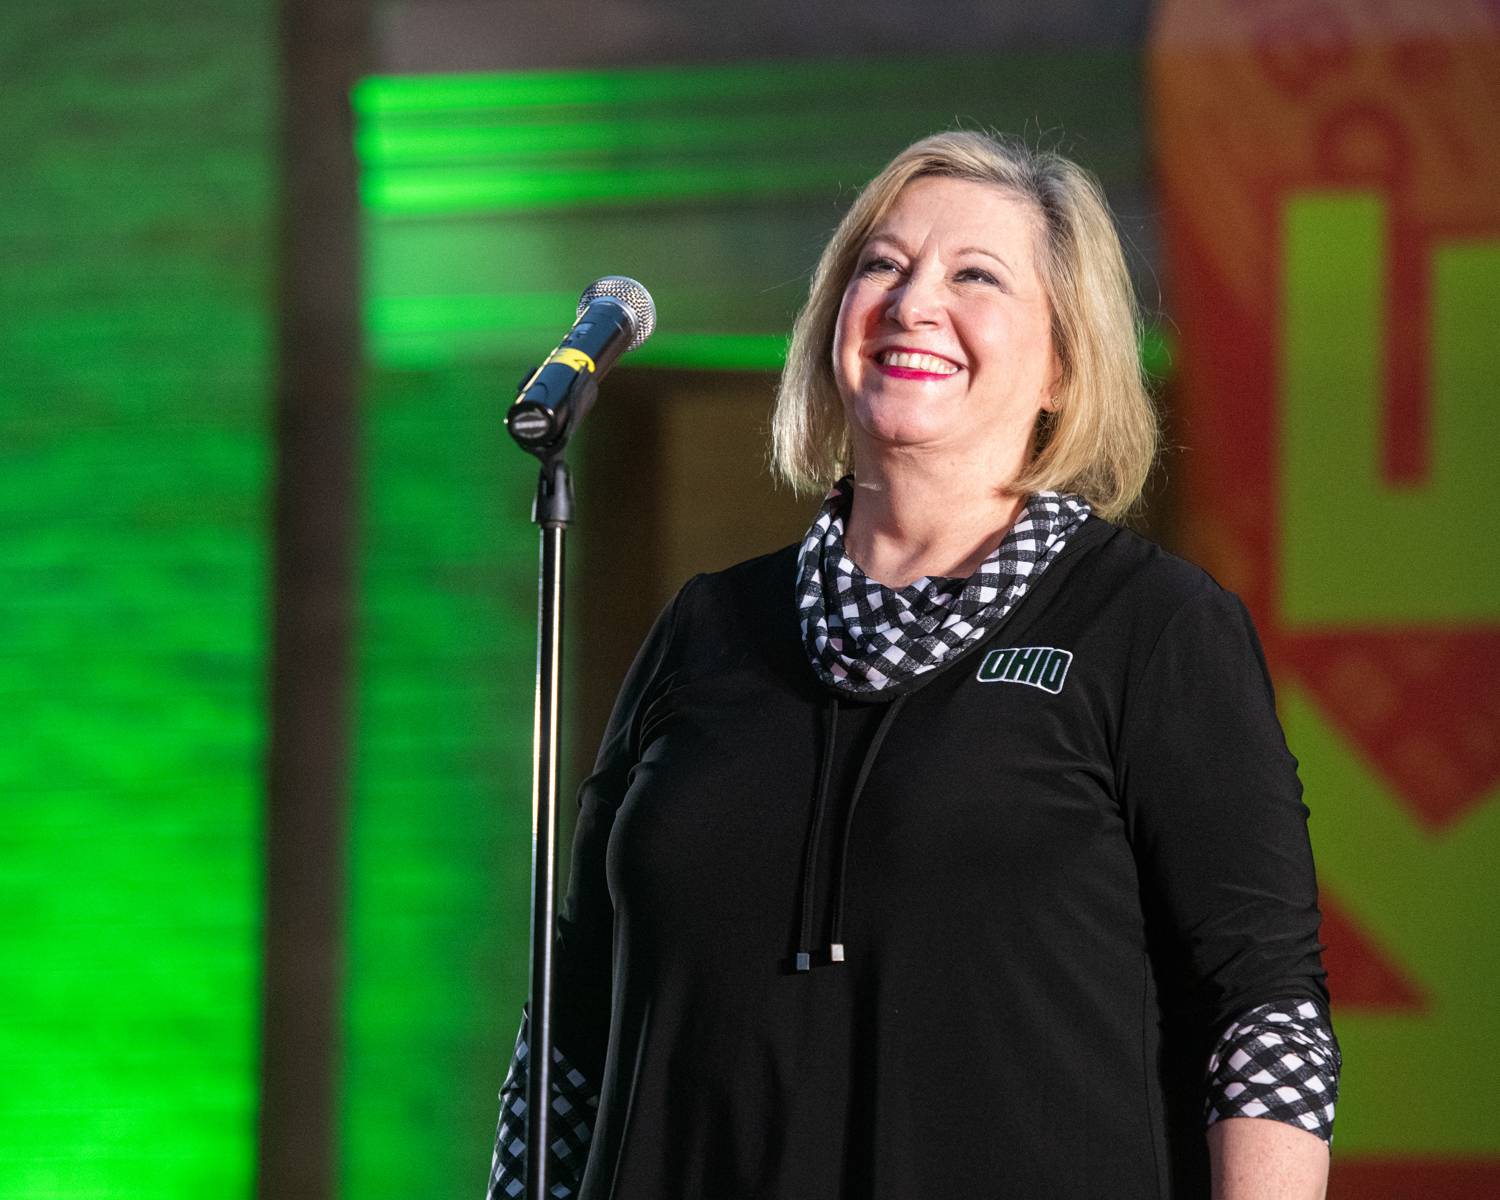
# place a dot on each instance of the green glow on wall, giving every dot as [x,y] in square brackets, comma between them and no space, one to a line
[490,136]
[440,839]
[492,200]
[489,189]
[731,83]
[134,344]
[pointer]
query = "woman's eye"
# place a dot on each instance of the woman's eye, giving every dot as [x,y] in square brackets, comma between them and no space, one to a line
[878,266]
[977,275]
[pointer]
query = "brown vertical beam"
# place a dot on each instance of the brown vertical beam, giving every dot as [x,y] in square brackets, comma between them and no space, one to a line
[612,545]
[323,48]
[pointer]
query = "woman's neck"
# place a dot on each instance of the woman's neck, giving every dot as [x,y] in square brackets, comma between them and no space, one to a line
[907,524]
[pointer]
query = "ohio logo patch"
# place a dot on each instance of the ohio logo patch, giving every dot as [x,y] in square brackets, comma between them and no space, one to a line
[1041,666]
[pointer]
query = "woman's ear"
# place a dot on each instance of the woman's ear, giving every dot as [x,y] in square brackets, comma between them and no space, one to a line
[1050,401]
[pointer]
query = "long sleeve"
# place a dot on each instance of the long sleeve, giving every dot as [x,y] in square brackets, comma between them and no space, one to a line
[1219,831]
[583,958]
[1215,815]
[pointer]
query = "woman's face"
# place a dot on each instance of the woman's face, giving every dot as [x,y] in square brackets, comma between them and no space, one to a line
[944,335]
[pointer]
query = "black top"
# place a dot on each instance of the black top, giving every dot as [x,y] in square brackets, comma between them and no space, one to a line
[1064,875]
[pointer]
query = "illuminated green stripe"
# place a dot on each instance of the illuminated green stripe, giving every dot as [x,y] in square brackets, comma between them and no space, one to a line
[685,351]
[384,145]
[434,192]
[727,83]
[713,351]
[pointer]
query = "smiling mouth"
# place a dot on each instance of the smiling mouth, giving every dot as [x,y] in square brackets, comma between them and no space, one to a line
[911,363]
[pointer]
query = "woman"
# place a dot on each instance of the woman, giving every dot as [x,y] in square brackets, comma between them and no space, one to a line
[957,851]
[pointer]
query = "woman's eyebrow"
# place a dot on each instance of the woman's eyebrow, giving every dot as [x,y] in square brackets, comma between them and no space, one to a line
[986,253]
[892,240]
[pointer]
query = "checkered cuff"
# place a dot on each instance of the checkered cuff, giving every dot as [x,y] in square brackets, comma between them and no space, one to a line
[575,1101]
[1278,1060]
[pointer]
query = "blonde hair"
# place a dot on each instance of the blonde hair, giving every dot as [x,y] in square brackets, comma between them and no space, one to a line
[1102,440]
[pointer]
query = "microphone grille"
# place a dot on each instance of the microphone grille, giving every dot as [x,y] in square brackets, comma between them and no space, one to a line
[632,295]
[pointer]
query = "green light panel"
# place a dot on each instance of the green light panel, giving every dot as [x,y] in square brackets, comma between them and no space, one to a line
[440,838]
[134,344]
[493,200]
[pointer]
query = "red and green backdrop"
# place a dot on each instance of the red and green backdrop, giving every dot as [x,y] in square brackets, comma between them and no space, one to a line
[1330,187]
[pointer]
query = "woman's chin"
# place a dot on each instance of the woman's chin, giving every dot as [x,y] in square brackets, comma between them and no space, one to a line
[904,425]
[909,434]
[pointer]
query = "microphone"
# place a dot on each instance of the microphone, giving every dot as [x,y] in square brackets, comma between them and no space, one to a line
[615,315]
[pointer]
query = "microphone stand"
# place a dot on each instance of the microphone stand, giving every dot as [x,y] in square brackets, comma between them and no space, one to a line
[552,510]
[612,311]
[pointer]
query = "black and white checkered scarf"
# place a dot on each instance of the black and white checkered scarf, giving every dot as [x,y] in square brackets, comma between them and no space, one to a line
[863,637]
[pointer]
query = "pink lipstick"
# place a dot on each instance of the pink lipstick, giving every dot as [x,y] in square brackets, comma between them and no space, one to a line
[911,373]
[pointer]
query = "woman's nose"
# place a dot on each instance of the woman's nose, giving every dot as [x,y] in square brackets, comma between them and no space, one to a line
[914,302]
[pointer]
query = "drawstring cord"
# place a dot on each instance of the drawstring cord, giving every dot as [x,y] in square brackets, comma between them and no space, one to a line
[810,856]
[814,836]
[836,948]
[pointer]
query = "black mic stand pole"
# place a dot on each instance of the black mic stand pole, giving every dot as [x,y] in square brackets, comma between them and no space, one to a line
[552,510]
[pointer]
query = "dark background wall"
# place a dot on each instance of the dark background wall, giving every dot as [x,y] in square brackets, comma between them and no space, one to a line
[420,36]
